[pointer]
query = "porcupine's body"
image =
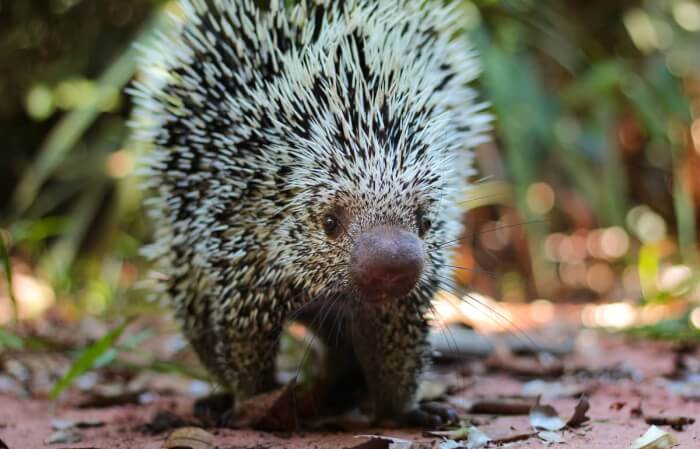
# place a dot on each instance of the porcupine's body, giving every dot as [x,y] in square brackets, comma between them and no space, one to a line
[295,149]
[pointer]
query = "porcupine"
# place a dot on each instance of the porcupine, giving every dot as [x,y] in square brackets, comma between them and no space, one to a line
[305,166]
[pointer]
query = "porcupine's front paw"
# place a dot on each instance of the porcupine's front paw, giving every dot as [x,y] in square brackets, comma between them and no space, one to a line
[214,410]
[429,415]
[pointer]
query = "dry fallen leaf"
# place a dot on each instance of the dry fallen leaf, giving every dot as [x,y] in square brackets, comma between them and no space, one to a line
[550,437]
[476,438]
[278,410]
[65,436]
[464,437]
[654,438]
[579,417]
[545,417]
[189,438]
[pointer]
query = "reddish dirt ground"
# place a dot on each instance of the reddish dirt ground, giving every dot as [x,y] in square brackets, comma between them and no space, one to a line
[26,423]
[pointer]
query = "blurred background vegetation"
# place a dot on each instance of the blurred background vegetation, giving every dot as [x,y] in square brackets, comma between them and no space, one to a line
[590,188]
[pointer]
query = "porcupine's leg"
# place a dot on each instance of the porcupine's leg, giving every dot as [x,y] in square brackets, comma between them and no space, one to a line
[240,355]
[391,343]
[342,383]
[246,367]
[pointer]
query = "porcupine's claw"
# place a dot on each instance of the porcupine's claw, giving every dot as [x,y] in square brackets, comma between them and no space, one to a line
[430,415]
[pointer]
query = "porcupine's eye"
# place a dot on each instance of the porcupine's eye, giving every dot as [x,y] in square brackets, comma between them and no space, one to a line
[424,223]
[331,225]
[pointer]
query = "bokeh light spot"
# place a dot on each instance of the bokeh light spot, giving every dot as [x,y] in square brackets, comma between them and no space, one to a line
[540,198]
[687,15]
[120,164]
[39,102]
[695,317]
[614,242]
[600,277]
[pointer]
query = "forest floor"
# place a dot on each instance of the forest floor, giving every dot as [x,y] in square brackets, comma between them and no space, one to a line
[629,384]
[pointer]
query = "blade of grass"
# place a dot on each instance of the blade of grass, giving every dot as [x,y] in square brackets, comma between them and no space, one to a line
[59,259]
[88,358]
[7,268]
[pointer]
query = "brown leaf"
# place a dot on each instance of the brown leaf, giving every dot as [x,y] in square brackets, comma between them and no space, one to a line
[579,417]
[502,406]
[189,438]
[277,410]
[545,417]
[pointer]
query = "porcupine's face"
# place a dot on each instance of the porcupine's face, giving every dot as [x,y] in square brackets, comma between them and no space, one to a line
[375,213]
[383,241]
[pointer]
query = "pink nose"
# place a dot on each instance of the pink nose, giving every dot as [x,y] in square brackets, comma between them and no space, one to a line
[386,262]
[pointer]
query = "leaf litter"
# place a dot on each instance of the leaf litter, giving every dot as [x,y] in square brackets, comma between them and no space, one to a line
[654,438]
[676,422]
[189,438]
[545,420]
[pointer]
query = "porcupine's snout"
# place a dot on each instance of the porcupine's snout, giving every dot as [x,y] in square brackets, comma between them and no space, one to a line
[386,262]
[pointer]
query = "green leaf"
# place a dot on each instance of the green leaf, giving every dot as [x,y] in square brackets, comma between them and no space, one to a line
[8,340]
[92,356]
[7,266]
[648,268]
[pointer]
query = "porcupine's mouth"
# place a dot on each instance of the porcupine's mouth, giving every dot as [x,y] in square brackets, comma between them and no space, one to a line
[386,263]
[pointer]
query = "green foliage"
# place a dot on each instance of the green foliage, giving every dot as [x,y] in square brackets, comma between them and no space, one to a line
[10,341]
[99,354]
[7,269]
[672,330]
